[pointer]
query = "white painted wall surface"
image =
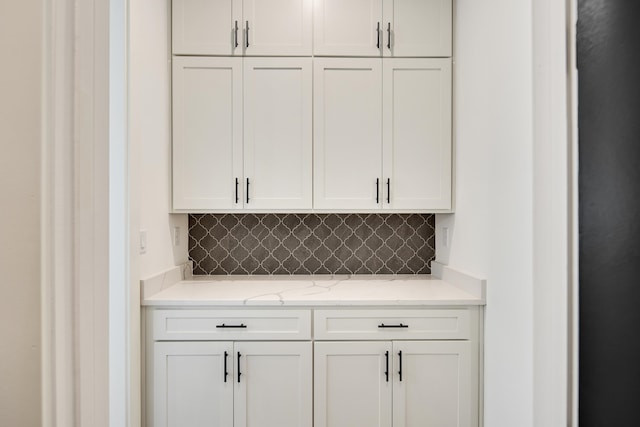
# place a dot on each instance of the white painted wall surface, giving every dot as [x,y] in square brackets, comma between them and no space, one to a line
[20,85]
[150,138]
[491,233]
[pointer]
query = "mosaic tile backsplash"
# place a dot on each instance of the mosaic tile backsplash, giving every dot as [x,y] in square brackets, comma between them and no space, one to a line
[265,244]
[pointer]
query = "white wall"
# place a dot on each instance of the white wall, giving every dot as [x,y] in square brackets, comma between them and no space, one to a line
[20,84]
[150,138]
[491,233]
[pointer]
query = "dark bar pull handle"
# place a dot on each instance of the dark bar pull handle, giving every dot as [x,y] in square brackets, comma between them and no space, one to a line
[400,371]
[401,325]
[247,44]
[386,372]
[241,373]
[225,366]
[247,190]
[377,190]
[389,35]
[235,37]
[242,325]
[388,190]
[237,195]
[378,36]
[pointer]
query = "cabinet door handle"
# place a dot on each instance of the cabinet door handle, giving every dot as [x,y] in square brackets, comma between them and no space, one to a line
[247,40]
[389,35]
[386,372]
[239,367]
[400,371]
[237,195]
[225,366]
[388,190]
[401,325]
[378,36]
[242,325]
[236,34]
[247,190]
[377,190]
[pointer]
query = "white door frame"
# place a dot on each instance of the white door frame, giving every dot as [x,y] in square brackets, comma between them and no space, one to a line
[87,369]
[82,282]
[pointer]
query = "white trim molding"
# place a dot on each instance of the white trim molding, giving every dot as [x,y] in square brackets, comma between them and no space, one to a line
[59,405]
[75,213]
[551,220]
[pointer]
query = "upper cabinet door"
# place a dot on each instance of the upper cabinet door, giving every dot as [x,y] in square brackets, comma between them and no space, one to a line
[207,132]
[277,27]
[419,28]
[347,133]
[417,134]
[347,28]
[207,27]
[277,133]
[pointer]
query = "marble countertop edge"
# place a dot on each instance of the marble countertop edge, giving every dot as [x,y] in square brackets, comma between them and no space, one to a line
[455,289]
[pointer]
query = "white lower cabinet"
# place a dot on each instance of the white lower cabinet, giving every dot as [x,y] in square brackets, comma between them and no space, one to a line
[224,384]
[358,367]
[399,384]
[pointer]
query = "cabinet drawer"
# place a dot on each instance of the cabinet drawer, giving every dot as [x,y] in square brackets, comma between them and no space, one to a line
[438,324]
[176,325]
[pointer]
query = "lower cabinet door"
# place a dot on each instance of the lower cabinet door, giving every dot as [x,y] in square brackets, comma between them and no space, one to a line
[353,384]
[432,385]
[272,385]
[190,386]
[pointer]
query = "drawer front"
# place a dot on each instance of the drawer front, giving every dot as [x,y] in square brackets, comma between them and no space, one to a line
[197,325]
[428,324]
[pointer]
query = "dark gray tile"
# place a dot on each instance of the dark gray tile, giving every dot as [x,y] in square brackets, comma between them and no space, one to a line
[281,253]
[311,243]
[229,221]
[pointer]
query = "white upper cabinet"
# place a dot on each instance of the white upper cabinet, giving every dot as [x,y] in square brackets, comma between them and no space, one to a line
[347,27]
[277,27]
[237,27]
[420,28]
[382,137]
[409,28]
[347,133]
[417,134]
[242,140]
[277,133]
[206,27]
[207,132]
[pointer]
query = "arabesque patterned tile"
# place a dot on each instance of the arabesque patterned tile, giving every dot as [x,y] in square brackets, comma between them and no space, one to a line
[266,244]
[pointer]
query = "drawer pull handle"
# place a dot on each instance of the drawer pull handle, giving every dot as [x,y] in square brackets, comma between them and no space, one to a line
[242,325]
[241,374]
[401,325]
[225,366]
[400,371]
[386,372]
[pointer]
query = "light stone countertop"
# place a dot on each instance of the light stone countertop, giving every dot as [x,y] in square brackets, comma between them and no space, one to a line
[297,291]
